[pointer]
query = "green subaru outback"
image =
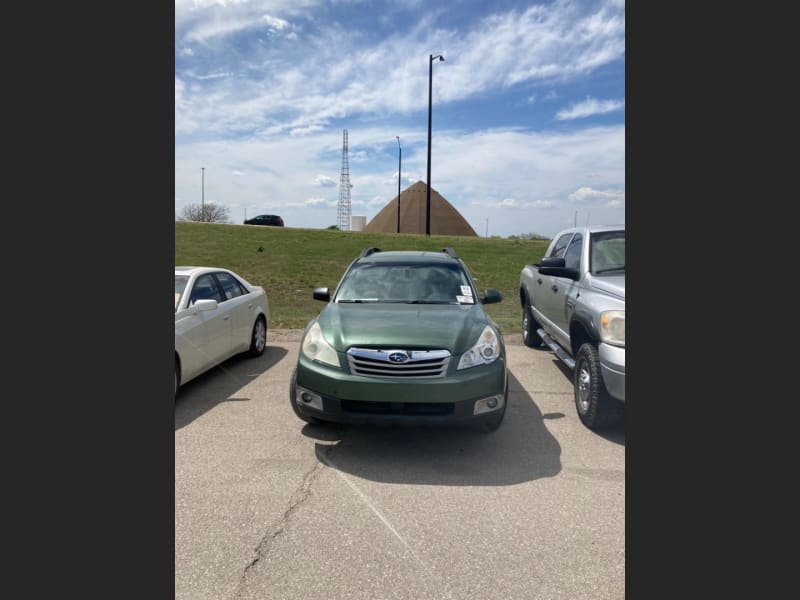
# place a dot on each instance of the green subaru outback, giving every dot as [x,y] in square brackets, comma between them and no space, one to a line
[404,339]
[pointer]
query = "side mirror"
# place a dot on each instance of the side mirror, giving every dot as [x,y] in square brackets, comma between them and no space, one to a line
[322,293]
[491,296]
[552,262]
[555,267]
[208,304]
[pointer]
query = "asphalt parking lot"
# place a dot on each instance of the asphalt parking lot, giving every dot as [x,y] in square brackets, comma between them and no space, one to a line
[267,506]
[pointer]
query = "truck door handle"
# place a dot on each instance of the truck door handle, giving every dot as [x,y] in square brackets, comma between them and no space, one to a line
[554,288]
[539,281]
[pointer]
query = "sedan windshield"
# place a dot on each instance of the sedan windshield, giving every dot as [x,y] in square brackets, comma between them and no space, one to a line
[411,283]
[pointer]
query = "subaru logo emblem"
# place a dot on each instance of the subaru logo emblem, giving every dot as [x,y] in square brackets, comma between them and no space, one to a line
[399,357]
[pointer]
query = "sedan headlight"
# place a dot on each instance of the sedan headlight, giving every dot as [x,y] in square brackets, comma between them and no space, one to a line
[612,327]
[316,348]
[484,352]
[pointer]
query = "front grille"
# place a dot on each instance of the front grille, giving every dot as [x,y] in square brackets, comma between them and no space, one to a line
[404,364]
[397,408]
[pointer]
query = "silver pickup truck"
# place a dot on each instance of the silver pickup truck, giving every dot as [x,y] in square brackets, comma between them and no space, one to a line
[573,301]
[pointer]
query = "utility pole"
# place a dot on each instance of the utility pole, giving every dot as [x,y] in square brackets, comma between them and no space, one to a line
[203,196]
[399,171]
[431,58]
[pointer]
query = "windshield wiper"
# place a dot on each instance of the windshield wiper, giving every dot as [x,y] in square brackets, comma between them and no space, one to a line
[357,300]
[429,302]
[609,270]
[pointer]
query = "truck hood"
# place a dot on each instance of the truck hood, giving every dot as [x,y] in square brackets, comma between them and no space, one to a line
[610,284]
[436,326]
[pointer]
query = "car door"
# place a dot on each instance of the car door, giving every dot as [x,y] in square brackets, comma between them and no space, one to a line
[545,289]
[217,323]
[239,302]
[564,290]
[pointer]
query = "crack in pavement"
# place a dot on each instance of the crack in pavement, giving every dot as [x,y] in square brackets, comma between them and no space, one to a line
[298,498]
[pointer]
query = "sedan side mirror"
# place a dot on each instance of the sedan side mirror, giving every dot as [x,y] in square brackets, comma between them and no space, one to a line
[207,304]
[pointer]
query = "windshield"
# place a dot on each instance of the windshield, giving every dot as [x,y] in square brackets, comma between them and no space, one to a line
[180,286]
[608,252]
[413,283]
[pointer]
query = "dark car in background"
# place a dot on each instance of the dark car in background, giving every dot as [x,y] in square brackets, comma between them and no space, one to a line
[273,220]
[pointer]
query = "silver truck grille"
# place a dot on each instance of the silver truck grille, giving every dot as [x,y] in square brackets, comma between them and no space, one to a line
[406,364]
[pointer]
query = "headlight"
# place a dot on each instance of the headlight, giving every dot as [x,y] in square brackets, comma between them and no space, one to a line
[316,348]
[484,352]
[612,327]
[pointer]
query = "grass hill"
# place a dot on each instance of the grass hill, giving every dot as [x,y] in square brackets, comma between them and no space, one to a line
[295,261]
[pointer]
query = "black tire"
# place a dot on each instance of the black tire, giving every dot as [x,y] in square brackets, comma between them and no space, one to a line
[596,408]
[497,418]
[529,326]
[258,338]
[177,377]
[292,388]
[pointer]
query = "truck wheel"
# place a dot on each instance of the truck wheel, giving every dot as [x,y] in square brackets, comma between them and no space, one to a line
[529,327]
[596,408]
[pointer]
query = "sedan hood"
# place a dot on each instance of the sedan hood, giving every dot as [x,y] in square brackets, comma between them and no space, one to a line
[610,284]
[408,326]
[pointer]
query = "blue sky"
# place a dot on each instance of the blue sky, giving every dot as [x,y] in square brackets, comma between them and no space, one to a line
[528,108]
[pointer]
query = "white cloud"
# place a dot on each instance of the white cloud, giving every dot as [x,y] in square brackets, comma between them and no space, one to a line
[507,203]
[324,181]
[305,130]
[513,203]
[212,76]
[589,107]
[274,23]
[541,204]
[587,194]
[337,76]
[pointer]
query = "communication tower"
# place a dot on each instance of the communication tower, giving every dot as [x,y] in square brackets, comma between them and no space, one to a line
[343,213]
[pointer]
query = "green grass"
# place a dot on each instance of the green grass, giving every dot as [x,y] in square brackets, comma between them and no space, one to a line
[295,261]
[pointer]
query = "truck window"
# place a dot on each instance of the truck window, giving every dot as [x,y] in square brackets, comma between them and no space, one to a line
[572,257]
[607,252]
[560,245]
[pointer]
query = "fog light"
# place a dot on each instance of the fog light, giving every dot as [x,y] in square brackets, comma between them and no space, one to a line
[488,404]
[308,399]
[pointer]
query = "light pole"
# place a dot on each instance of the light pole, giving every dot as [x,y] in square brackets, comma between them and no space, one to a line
[203,196]
[399,171]
[431,58]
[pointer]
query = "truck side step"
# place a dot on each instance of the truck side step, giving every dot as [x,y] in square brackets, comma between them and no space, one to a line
[566,358]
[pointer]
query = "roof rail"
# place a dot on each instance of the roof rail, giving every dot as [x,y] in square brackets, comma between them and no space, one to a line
[450,252]
[368,251]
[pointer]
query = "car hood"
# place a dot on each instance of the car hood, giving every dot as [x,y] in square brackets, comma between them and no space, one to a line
[610,284]
[408,326]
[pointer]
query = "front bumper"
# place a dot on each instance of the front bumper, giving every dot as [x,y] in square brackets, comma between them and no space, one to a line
[451,400]
[612,366]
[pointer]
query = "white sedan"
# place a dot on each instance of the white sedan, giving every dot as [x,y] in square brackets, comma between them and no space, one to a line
[217,314]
